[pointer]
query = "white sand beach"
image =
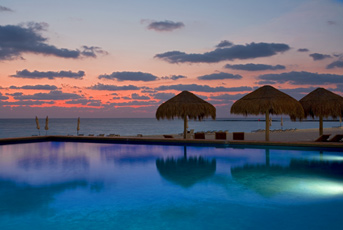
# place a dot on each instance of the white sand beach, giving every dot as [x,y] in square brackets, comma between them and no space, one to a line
[299,135]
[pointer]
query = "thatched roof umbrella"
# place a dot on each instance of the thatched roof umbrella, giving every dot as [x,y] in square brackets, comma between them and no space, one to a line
[186,105]
[322,103]
[268,100]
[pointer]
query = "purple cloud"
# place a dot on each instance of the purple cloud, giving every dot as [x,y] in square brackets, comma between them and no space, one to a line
[248,51]
[335,64]
[165,26]
[219,76]
[100,86]
[18,39]
[52,95]
[129,76]
[35,87]
[202,88]
[300,78]
[318,56]
[49,75]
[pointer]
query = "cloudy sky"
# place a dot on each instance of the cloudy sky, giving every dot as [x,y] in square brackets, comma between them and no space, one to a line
[123,58]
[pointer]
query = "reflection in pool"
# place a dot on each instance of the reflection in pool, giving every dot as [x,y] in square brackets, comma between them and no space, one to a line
[56,185]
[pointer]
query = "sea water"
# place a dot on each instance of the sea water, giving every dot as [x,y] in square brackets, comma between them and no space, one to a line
[144,126]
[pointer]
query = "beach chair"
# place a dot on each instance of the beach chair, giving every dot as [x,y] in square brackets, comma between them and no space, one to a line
[91,135]
[199,135]
[190,134]
[323,138]
[220,135]
[139,135]
[168,136]
[101,135]
[238,136]
[336,138]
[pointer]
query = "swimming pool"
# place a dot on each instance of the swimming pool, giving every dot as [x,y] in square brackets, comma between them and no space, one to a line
[65,185]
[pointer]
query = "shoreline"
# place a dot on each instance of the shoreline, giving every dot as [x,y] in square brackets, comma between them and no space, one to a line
[294,138]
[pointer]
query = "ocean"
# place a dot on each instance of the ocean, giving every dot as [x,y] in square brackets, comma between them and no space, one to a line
[144,126]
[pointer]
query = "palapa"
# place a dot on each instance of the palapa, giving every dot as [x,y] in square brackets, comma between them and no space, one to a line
[322,103]
[186,105]
[268,100]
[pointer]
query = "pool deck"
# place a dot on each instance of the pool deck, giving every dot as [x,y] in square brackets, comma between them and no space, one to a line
[171,141]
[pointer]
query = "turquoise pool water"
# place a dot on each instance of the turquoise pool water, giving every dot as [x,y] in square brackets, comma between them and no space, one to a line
[57,185]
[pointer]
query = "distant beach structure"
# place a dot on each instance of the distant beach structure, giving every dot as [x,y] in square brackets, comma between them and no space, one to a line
[186,105]
[268,100]
[322,103]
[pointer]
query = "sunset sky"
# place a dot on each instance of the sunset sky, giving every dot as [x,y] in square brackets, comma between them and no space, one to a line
[123,58]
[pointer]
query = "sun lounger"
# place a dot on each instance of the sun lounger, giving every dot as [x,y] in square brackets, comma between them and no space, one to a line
[220,135]
[91,135]
[323,138]
[336,138]
[190,134]
[168,136]
[199,135]
[139,135]
[238,135]
[80,135]
[101,135]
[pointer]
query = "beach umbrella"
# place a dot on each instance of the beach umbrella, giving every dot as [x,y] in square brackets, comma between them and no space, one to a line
[322,103]
[46,125]
[78,125]
[268,100]
[186,105]
[37,124]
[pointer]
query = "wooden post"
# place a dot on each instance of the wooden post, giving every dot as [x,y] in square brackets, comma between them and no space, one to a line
[185,127]
[267,125]
[320,125]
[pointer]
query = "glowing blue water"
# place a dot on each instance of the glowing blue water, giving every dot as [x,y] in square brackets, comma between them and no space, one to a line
[57,185]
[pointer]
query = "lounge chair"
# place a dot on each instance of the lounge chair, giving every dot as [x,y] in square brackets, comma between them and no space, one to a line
[168,136]
[323,138]
[80,135]
[238,135]
[91,135]
[139,135]
[199,135]
[190,134]
[101,135]
[220,135]
[336,138]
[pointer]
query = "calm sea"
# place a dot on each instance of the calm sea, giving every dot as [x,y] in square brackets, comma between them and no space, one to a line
[145,126]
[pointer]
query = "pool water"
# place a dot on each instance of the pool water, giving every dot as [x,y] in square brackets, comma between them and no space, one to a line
[57,185]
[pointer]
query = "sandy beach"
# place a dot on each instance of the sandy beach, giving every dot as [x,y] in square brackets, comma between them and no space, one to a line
[300,135]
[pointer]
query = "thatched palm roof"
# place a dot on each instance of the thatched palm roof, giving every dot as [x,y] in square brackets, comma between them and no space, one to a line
[268,99]
[322,103]
[184,105]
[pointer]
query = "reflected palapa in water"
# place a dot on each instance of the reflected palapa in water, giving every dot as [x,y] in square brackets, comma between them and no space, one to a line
[186,171]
